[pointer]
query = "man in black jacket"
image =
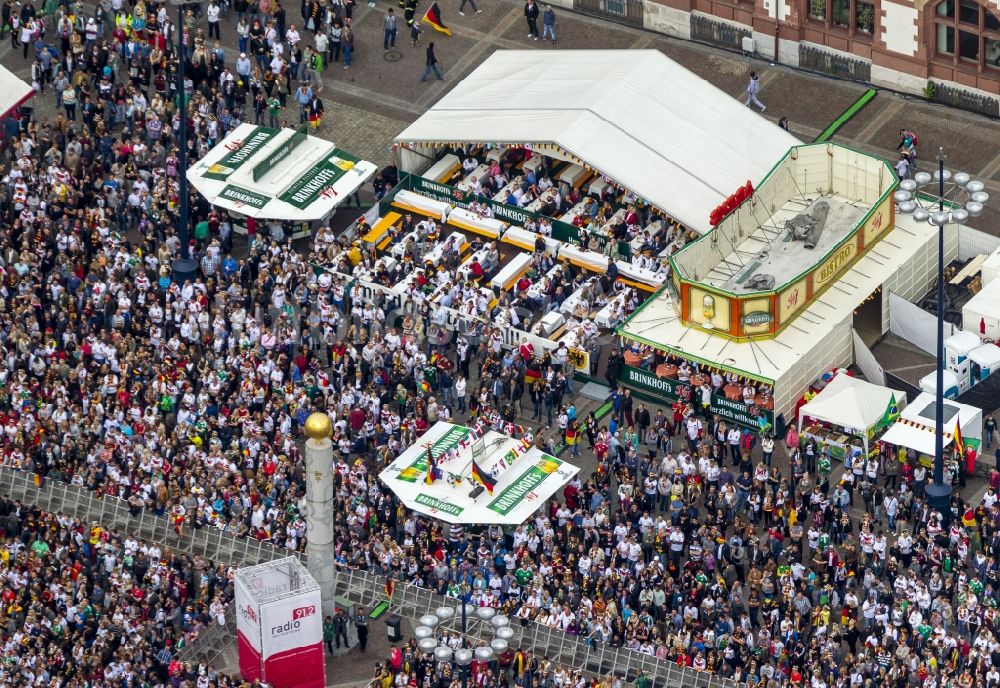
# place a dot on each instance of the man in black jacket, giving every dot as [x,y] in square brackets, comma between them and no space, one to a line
[432,64]
[531,14]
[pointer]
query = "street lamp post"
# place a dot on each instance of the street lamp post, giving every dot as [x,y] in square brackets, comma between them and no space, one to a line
[184,266]
[957,199]
[464,656]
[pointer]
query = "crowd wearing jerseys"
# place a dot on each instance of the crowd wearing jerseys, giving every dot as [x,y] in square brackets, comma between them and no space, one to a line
[84,606]
[187,398]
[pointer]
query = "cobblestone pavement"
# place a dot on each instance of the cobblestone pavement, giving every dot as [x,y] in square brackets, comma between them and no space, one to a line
[373,101]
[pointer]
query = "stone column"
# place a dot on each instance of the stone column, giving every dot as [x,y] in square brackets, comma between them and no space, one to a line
[319,506]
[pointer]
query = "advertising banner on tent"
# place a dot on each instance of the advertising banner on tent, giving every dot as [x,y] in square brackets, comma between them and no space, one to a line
[318,179]
[727,409]
[292,641]
[240,152]
[247,633]
[563,231]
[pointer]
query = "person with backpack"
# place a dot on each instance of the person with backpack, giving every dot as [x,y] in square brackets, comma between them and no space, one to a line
[908,146]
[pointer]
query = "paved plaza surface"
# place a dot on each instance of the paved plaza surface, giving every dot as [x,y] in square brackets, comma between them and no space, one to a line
[370,103]
[374,100]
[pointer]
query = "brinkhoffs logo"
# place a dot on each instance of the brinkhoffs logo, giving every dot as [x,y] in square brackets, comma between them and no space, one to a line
[295,623]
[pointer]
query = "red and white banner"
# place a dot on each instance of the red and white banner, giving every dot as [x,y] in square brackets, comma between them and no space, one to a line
[292,641]
[248,633]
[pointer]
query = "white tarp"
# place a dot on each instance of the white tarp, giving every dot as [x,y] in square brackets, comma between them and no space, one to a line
[866,361]
[635,116]
[912,323]
[525,479]
[278,174]
[13,91]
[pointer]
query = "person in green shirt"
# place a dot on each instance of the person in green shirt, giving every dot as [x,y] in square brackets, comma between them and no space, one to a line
[201,231]
[328,633]
[273,109]
[523,576]
[642,681]
[40,547]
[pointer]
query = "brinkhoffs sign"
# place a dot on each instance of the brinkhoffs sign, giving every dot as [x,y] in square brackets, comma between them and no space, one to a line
[669,389]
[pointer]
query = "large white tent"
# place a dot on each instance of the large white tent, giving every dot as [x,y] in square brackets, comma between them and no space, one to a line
[278,174]
[13,91]
[851,403]
[636,116]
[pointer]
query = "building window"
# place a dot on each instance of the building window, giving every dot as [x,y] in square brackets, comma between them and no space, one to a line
[967,33]
[856,16]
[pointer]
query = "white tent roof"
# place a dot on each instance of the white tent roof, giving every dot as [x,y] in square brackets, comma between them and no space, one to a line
[914,437]
[525,478]
[13,91]
[636,116]
[921,412]
[278,174]
[850,402]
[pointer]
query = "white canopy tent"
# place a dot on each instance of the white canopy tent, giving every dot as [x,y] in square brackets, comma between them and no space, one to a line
[636,116]
[915,427]
[13,91]
[278,174]
[851,403]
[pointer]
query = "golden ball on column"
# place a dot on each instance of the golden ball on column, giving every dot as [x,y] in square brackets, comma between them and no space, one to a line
[318,426]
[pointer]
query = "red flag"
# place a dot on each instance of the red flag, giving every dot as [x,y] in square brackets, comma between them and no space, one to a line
[433,17]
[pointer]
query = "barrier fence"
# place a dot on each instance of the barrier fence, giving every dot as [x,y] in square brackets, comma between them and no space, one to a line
[113,513]
[359,587]
[597,658]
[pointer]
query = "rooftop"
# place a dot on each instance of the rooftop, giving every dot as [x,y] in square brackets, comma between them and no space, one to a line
[774,251]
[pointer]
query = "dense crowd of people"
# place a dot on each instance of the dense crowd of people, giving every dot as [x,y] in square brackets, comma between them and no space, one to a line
[84,606]
[186,399]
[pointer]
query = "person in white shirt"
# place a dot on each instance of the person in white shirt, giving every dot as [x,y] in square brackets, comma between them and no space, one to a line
[213,13]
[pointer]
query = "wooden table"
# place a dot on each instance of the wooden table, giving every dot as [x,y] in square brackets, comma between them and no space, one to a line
[668,370]
[733,392]
[699,380]
[764,401]
[632,359]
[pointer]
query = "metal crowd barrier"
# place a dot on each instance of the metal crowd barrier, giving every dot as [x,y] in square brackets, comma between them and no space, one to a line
[596,658]
[360,587]
[113,513]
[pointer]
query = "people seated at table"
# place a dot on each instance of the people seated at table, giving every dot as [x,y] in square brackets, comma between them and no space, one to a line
[469,164]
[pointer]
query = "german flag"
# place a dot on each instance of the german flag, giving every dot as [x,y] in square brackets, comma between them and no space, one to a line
[957,438]
[433,17]
[482,477]
[431,468]
[390,585]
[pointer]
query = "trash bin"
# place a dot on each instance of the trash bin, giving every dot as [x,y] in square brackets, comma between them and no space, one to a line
[393,627]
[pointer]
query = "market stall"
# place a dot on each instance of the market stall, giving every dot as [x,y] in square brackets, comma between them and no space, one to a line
[278,174]
[13,91]
[475,475]
[913,432]
[848,414]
